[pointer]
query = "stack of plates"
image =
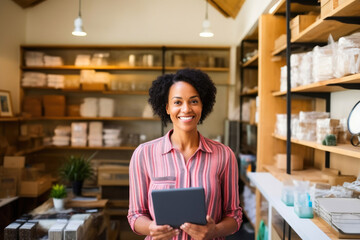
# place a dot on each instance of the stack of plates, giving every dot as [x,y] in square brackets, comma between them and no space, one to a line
[341,213]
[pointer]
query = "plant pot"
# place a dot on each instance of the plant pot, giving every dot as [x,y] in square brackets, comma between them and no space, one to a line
[77,187]
[59,203]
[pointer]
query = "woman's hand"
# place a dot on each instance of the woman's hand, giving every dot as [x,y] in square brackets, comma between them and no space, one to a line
[201,232]
[163,232]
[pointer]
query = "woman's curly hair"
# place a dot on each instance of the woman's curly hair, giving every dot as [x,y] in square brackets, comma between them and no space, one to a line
[159,91]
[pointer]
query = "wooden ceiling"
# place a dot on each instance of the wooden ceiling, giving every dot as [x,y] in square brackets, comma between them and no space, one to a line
[27,3]
[229,8]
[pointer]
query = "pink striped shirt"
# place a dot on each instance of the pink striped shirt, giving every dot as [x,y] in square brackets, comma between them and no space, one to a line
[158,165]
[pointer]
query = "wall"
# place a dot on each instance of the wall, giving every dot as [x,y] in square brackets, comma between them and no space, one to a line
[12,28]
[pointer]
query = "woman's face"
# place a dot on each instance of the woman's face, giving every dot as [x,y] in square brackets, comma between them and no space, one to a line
[184,106]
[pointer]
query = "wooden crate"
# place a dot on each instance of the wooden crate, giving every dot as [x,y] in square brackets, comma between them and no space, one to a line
[300,23]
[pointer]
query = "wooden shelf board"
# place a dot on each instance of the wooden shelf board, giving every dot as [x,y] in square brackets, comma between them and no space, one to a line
[295,8]
[350,9]
[206,69]
[28,151]
[73,67]
[250,92]
[320,30]
[9,119]
[310,174]
[342,149]
[77,90]
[279,50]
[93,118]
[92,148]
[324,86]
[252,61]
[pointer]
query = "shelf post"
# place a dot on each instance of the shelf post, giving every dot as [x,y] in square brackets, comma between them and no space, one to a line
[288,91]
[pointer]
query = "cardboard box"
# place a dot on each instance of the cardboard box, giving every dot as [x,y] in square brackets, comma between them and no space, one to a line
[53,100]
[113,175]
[12,173]
[297,162]
[73,110]
[34,188]
[32,106]
[54,111]
[14,162]
[300,23]
[8,186]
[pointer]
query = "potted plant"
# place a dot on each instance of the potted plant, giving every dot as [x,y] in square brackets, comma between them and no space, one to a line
[76,169]
[58,193]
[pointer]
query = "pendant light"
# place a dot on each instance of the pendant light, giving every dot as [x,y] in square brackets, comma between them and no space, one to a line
[206,32]
[78,30]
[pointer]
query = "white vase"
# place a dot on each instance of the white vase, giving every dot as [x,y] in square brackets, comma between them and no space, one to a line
[59,203]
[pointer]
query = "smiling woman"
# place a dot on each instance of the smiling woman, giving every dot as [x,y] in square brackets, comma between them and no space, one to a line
[183,155]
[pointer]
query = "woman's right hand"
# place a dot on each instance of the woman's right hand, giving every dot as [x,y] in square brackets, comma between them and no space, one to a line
[163,232]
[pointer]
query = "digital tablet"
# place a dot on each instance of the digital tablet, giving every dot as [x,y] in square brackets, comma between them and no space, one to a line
[179,205]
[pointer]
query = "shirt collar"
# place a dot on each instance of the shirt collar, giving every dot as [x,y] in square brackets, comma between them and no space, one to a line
[203,145]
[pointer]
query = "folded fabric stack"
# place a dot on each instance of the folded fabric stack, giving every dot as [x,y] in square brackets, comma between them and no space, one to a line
[111,137]
[34,58]
[95,134]
[56,81]
[82,60]
[89,108]
[33,79]
[62,136]
[78,133]
[106,107]
[53,61]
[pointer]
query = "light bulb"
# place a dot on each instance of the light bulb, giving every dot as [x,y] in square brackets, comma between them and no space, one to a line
[78,30]
[206,29]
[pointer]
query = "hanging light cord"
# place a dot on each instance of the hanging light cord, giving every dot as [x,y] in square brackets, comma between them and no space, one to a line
[79,8]
[206,12]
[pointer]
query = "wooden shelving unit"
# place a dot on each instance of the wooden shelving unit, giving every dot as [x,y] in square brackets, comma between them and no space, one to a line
[272,102]
[91,119]
[320,30]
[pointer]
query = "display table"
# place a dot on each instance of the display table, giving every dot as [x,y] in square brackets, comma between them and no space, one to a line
[86,214]
[270,188]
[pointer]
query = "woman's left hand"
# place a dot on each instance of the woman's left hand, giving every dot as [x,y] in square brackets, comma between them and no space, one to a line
[200,232]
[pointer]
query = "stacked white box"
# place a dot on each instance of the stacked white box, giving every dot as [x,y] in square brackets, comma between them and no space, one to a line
[95,134]
[78,133]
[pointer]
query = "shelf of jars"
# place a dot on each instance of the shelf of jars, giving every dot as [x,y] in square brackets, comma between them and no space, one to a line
[342,149]
[91,118]
[331,85]
[320,30]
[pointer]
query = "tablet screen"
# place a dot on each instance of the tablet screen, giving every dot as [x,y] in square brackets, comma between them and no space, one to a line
[179,205]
